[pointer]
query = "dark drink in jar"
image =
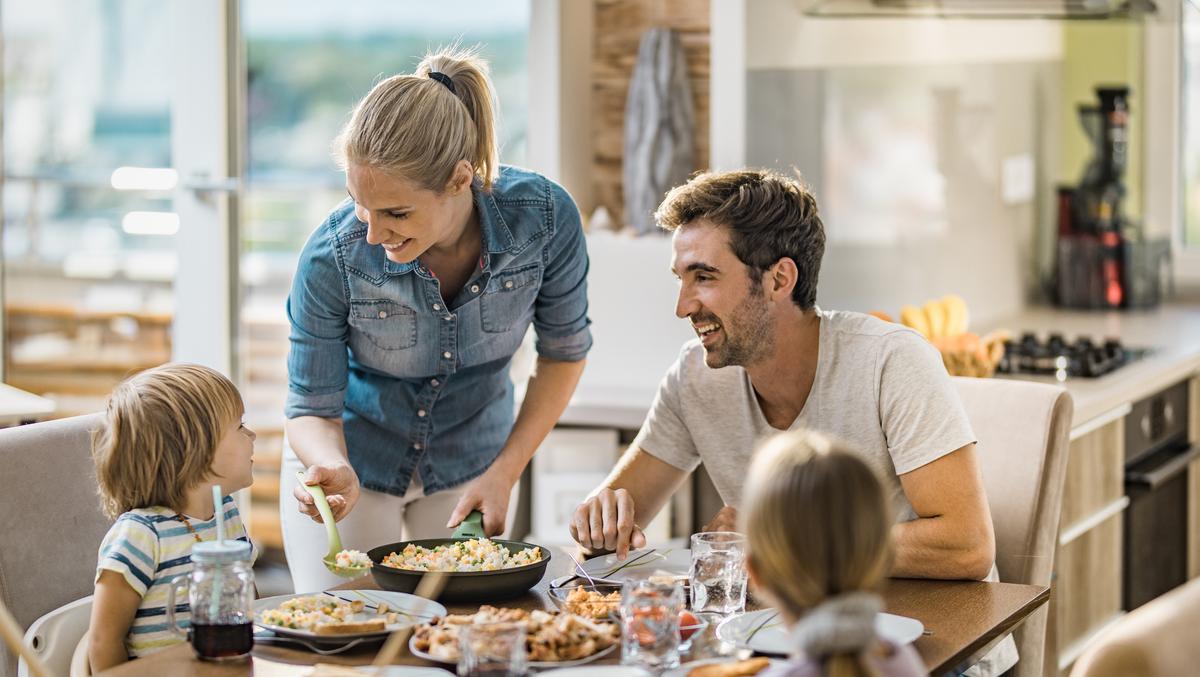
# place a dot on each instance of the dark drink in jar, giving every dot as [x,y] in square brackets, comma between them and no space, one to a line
[222,642]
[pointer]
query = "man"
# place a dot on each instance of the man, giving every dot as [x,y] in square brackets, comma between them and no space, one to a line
[747,252]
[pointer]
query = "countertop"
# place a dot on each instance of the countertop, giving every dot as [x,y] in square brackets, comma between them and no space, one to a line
[1171,332]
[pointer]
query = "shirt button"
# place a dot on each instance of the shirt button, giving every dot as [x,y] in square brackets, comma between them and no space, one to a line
[437,306]
[474,289]
[435,383]
[420,413]
[508,284]
[382,314]
[417,446]
[447,355]
[448,318]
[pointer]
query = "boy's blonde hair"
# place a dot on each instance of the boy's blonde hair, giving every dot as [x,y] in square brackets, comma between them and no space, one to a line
[417,128]
[162,428]
[818,525]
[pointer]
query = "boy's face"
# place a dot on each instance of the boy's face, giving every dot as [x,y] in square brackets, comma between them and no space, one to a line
[728,312]
[232,465]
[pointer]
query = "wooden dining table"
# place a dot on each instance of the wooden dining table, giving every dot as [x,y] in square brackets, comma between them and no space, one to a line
[963,621]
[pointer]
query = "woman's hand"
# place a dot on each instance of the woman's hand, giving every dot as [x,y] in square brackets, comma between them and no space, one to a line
[340,483]
[489,494]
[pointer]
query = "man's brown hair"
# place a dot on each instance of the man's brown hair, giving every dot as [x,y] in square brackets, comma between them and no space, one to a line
[769,216]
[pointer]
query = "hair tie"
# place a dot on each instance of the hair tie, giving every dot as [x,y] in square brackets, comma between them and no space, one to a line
[841,624]
[444,79]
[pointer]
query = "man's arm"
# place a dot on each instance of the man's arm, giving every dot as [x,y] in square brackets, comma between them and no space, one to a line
[632,494]
[952,536]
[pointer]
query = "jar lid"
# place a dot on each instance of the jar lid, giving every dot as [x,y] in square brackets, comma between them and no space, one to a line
[220,552]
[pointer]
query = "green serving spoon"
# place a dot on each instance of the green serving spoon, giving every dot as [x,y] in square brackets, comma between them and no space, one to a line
[335,541]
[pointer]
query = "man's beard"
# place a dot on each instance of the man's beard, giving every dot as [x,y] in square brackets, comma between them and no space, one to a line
[753,339]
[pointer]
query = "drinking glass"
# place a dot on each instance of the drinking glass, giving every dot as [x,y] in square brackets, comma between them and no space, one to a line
[492,650]
[718,573]
[220,594]
[650,624]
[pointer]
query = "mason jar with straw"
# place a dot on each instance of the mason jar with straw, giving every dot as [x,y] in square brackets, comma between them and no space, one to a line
[220,592]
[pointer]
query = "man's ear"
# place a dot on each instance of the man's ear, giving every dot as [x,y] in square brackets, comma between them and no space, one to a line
[781,279]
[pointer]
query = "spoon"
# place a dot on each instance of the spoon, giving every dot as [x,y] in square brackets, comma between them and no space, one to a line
[335,541]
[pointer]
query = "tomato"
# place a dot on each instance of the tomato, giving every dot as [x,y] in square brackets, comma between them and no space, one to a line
[687,623]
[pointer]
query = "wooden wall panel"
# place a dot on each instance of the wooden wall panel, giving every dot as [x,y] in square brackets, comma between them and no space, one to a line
[619,25]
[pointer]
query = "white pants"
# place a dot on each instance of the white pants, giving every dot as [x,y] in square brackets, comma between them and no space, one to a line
[377,519]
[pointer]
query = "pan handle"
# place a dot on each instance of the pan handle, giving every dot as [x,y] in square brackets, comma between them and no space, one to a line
[471,527]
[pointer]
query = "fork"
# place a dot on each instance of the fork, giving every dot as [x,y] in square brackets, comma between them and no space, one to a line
[278,639]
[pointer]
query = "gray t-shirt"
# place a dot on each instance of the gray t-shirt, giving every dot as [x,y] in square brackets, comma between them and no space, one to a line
[880,388]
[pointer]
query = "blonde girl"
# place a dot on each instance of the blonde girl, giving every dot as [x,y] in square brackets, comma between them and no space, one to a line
[408,303]
[169,434]
[818,523]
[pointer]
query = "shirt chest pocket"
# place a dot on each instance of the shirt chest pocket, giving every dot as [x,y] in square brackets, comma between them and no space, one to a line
[386,325]
[509,297]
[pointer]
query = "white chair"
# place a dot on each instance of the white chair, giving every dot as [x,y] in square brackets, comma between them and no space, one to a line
[1023,432]
[55,636]
[1155,640]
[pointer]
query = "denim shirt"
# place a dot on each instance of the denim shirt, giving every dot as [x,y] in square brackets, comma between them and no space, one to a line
[418,385]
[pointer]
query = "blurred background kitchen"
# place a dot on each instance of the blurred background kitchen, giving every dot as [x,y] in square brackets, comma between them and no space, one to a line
[163,163]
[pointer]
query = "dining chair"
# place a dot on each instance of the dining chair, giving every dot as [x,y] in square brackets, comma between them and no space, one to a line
[55,636]
[1022,431]
[51,524]
[1156,639]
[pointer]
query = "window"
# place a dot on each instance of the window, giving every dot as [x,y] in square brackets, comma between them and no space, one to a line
[1190,96]
[88,268]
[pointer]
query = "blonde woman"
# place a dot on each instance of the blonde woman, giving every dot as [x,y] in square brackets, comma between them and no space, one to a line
[170,433]
[408,304]
[818,525]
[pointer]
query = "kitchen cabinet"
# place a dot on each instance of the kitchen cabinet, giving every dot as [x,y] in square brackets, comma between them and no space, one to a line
[1194,479]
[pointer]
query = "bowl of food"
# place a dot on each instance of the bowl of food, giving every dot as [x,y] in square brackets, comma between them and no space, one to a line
[598,601]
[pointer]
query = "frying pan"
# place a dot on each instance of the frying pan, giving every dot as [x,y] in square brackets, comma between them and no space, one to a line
[462,586]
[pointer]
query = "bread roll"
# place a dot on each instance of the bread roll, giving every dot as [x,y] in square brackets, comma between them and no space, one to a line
[353,628]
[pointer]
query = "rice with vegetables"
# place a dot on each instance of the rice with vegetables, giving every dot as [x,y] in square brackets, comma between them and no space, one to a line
[476,554]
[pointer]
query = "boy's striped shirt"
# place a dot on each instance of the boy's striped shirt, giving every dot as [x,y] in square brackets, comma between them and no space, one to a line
[149,547]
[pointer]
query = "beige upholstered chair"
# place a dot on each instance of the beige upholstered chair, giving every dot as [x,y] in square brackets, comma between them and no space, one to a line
[1023,433]
[1154,640]
[50,519]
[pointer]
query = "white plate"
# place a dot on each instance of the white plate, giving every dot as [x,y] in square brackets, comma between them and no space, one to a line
[402,671]
[599,671]
[772,637]
[419,610]
[533,664]
[684,669]
[640,564]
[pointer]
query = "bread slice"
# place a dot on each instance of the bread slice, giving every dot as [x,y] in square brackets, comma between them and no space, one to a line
[351,627]
[751,666]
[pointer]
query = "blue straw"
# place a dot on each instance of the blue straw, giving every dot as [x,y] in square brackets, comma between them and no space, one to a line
[214,607]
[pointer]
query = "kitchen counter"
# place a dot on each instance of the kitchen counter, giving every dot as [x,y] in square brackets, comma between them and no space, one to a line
[1171,332]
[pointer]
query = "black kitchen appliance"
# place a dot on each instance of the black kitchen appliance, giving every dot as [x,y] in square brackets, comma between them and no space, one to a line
[1103,258]
[1083,356]
[1157,456]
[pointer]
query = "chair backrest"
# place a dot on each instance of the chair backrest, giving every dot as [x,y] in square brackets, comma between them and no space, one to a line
[51,524]
[1023,432]
[55,636]
[1156,639]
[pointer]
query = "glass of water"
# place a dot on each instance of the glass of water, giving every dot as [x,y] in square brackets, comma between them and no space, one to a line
[718,574]
[650,624]
[492,650]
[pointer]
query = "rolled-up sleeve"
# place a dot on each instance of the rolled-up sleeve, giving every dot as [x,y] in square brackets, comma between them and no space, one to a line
[317,310]
[560,317]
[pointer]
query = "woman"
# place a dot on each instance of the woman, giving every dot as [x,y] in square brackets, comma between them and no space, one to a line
[408,304]
[818,526]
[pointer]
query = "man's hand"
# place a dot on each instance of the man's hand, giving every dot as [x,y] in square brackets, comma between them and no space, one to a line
[489,494]
[605,523]
[724,520]
[340,483]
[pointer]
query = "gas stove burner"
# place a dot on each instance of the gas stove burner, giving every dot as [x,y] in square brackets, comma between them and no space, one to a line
[1057,357]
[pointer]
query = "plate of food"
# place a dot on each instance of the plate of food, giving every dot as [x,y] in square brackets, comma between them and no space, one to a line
[765,631]
[339,616]
[553,640]
[664,564]
[724,667]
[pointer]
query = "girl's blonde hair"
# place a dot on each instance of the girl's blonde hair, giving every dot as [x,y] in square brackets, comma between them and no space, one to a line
[419,129]
[818,525]
[162,428]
